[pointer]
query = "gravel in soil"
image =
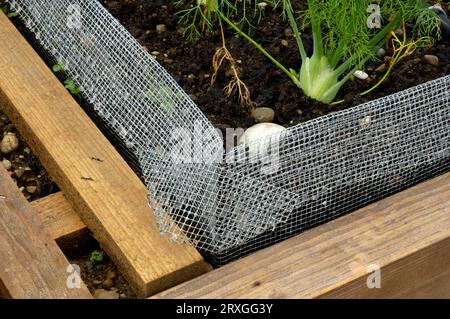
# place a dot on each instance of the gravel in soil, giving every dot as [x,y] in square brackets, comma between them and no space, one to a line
[103,279]
[190,64]
[17,158]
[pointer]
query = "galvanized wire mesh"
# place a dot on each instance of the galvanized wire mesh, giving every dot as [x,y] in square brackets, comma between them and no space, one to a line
[258,194]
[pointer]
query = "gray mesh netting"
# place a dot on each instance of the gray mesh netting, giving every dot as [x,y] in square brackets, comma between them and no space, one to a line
[256,194]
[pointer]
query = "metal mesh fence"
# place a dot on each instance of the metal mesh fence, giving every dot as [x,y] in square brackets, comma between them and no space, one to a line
[257,194]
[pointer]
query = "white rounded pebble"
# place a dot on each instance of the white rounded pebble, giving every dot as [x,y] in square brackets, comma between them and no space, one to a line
[259,131]
[361,75]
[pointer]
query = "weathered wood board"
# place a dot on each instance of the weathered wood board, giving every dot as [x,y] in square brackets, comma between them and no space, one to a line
[406,236]
[31,264]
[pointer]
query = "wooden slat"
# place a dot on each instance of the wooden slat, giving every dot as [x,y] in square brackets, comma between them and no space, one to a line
[407,235]
[62,222]
[31,264]
[58,217]
[109,196]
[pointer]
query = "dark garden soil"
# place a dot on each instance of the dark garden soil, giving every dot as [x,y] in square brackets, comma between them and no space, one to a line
[190,64]
[103,279]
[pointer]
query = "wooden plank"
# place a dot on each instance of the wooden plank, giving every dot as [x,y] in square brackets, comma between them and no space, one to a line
[58,217]
[31,264]
[109,196]
[62,222]
[406,235]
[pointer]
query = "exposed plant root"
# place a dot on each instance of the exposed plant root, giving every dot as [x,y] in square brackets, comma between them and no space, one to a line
[235,85]
[402,48]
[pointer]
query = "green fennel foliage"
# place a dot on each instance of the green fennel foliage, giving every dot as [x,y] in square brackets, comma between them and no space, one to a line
[343,41]
[199,14]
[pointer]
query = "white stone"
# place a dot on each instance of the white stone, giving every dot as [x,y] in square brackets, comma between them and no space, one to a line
[259,131]
[361,75]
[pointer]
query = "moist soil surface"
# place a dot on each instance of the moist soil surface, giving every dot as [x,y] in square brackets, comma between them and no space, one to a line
[190,64]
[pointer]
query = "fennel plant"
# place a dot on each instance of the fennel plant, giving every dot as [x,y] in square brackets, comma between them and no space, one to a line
[342,39]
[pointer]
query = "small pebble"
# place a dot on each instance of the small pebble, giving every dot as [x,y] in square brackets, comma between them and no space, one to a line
[107,283]
[381,69]
[89,265]
[9,143]
[381,53]
[19,172]
[431,59]
[262,5]
[6,164]
[160,28]
[263,114]
[111,275]
[284,43]
[31,189]
[361,75]
[105,294]
[288,32]
[399,32]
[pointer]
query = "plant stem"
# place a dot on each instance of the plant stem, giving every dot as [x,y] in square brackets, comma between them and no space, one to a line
[258,46]
[293,22]
[317,34]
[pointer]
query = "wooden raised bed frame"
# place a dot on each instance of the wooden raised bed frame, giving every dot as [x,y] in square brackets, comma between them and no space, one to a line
[407,235]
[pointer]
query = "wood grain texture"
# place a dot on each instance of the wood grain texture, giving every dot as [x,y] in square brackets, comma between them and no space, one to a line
[406,235]
[109,196]
[62,223]
[58,217]
[31,264]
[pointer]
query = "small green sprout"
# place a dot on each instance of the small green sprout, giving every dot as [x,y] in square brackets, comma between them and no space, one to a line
[59,66]
[97,257]
[72,87]
[170,99]
[9,13]
[69,83]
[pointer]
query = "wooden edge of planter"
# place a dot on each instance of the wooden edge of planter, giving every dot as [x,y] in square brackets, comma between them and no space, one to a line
[31,264]
[110,198]
[406,236]
[62,222]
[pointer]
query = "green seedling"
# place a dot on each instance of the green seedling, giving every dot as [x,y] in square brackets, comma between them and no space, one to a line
[97,258]
[9,13]
[163,95]
[69,83]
